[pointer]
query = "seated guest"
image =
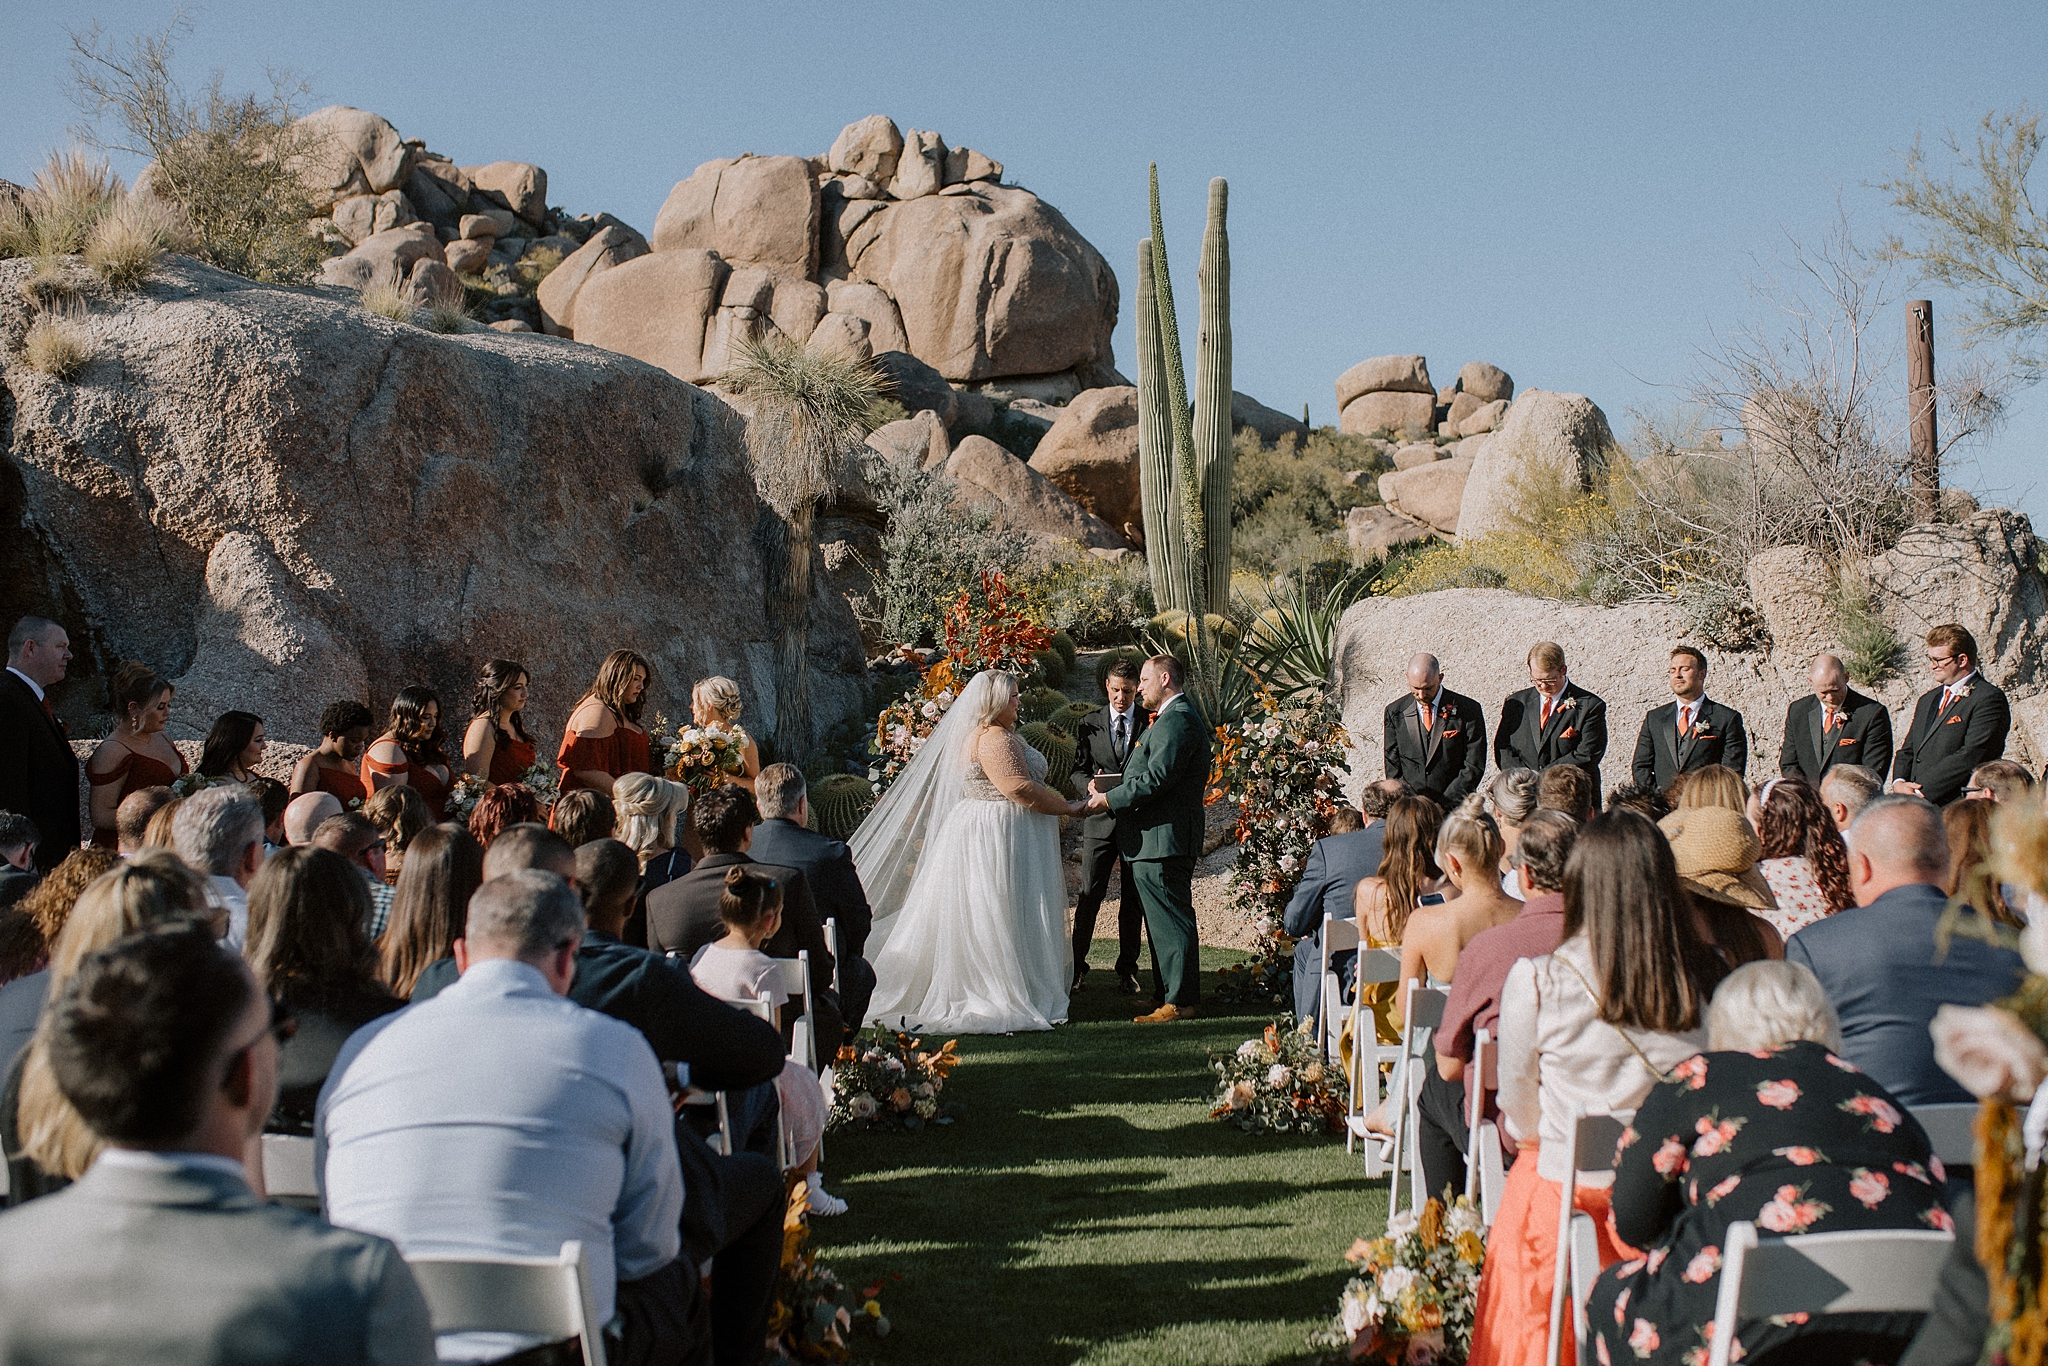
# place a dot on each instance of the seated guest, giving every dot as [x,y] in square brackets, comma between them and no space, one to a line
[275,797]
[496,746]
[336,766]
[682,917]
[219,833]
[167,1048]
[1716,853]
[1880,963]
[1381,904]
[355,838]
[442,871]
[307,813]
[1846,790]
[1710,785]
[133,815]
[18,840]
[233,747]
[604,738]
[582,816]
[138,754]
[1804,859]
[399,813]
[1590,1026]
[307,908]
[2001,780]
[49,906]
[158,835]
[1646,802]
[734,969]
[1511,800]
[1570,789]
[1769,1127]
[46,1142]
[644,815]
[499,1119]
[22,950]
[411,751]
[1969,875]
[784,837]
[501,808]
[1335,863]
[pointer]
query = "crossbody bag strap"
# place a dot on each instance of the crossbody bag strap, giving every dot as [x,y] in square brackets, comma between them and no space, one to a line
[1659,1073]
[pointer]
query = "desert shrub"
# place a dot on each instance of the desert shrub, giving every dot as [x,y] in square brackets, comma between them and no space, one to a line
[1288,501]
[447,316]
[1015,433]
[883,411]
[57,214]
[1096,602]
[50,283]
[129,240]
[931,553]
[58,344]
[386,298]
[1870,644]
[535,266]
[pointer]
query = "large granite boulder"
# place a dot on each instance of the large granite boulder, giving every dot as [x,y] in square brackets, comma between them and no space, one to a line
[991,476]
[1487,383]
[608,247]
[1983,573]
[1385,374]
[1430,493]
[754,211]
[279,499]
[353,152]
[1091,453]
[518,186]
[1548,437]
[385,258]
[657,308]
[867,148]
[1388,410]
[1272,425]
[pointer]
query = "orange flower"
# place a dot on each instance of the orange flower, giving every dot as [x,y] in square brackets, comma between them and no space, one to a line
[899,1099]
[1432,1227]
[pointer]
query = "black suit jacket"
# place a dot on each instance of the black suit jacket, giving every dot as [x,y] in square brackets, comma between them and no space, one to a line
[1447,763]
[1717,738]
[683,916]
[1864,737]
[1095,753]
[1577,733]
[1944,744]
[827,866]
[38,771]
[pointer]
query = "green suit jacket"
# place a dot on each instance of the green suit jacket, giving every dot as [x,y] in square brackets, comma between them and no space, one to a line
[1158,806]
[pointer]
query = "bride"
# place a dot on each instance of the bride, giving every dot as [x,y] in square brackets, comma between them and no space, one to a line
[961,861]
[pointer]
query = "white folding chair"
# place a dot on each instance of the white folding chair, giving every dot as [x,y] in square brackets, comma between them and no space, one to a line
[838,959]
[1485,1174]
[1422,1010]
[1375,967]
[1951,1131]
[1338,935]
[544,1297]
[288,1166]
[1867,1271]
[796,985]
[1592,1144]
[765,1008]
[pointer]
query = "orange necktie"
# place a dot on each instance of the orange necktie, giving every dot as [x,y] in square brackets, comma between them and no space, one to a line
[1546,714]
[1428,716]
[1684,721]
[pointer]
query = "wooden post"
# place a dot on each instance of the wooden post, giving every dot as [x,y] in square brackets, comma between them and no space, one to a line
[1926,449]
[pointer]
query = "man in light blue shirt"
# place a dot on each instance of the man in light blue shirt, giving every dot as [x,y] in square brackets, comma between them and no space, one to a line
[499,1118]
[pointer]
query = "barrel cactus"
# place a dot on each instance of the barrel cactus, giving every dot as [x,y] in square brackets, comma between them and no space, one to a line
[1057,748]
[1040,704]
[1109,659]
[1068,721]
[838,803]
[1064,643]
[1049,668]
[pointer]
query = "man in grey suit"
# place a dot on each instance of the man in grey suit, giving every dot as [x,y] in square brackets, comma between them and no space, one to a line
[161,1253]
[1881,962]
[1335,864]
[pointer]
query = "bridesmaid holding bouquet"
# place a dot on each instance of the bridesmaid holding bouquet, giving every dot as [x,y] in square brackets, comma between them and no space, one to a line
[411,751]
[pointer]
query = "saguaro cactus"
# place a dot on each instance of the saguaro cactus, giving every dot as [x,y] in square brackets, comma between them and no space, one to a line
[1165,539]
[1213,451]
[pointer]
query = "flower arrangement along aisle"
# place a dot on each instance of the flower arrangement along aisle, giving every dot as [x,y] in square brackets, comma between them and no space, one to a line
[541,778]
[1276,1084]
[885,1079]
[1283,769]
[815,1317]
[1411,1302]
[991,632]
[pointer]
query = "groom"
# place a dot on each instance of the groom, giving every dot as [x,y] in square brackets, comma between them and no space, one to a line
[1158,810]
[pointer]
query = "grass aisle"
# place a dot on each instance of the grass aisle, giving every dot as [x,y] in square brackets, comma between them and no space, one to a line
[1087,1209]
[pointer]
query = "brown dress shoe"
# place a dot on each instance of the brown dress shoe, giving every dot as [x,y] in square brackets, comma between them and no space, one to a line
[1166,1015]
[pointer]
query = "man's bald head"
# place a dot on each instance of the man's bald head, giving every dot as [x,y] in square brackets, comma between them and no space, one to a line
[307,812]
[1425,675]
[1828,679]
[1896,841]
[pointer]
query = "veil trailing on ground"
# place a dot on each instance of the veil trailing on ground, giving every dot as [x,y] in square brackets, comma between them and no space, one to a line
[889,846]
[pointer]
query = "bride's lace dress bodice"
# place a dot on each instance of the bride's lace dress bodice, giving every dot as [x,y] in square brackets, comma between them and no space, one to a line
[1001,761]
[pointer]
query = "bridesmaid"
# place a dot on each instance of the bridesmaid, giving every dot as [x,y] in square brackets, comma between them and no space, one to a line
[411,751]
[138,754]
[715,705]
[334,767]
[497,746]
[604,738]
[233,747]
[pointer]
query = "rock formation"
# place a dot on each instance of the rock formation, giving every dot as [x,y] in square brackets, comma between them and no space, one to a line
[1392,396]
[1555,438]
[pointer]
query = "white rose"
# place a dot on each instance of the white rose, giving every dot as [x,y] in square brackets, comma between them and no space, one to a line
[1356,1309]
[930,709]
[1279,1075]
[863,1106]
[1288,863]
[946,698]
[1403,1224]
[1462,1219]
[1394,1280]
[1989,1051]
[1250,1048]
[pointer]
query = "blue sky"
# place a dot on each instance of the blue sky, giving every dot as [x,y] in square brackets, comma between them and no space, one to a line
[1578,193]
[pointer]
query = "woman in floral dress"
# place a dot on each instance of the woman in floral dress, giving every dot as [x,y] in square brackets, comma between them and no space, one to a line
[1771,1127]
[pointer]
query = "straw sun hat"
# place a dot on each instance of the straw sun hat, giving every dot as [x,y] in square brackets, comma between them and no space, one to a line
[1717,850]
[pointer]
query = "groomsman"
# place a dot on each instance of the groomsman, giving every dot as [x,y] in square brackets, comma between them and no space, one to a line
[1836,725]
[38,772]
[1435,739]
[1102,744]
[1555,721]
[1690,731]
[1956,726]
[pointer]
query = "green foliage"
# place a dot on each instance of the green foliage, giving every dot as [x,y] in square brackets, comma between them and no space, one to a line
[1042,703]
[931,552]
[1093,601]
[1288,501]
[529,270]
[883,411]
[1048,668]
[839,801]
[1057,748]
[1293,643]
[1064,643]
[1870,644]
[1069,719]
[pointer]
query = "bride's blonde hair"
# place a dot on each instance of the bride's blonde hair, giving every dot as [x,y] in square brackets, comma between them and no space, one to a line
[1002,687]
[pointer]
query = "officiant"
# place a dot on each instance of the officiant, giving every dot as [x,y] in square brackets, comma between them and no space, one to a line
[1102,743]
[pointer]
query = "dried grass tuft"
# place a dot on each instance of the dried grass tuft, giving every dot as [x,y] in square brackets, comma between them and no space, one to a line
[58,344]
[387,299]
[127,243]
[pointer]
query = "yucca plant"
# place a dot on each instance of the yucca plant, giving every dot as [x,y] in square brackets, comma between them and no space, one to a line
[1293,642]
[810,416]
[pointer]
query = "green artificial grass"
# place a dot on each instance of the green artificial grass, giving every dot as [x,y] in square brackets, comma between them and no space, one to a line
[1085,1208]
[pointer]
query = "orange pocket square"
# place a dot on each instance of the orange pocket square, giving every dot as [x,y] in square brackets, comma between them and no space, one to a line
[1568,733]
[1952,720]
[1845,740]
[1450,735]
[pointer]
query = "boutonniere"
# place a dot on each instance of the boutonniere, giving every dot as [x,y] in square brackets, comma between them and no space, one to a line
[1964,691]
[1568,704]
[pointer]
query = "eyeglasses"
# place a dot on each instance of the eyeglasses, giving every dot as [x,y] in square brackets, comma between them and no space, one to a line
[282,1027]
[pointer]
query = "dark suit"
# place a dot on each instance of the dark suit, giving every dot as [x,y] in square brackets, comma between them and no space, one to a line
[1446,763]
[1577,733]
[1862,735]
[1717,737]
[38,771]
[836,891]
[1095,751]
[1158,810]
[1885,976]
[1335,864]
[1944,743]
[682,917]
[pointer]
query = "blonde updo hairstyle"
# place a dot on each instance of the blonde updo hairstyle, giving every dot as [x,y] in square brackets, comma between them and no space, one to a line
[717,697]
[644,810]
[1768,1004]
[1473,836]
[1001,692]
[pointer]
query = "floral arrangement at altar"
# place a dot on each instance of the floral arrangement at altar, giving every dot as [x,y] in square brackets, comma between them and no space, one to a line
[886,1079]
[1411,1302]
[468,789]
[1277,1084]
[699,757]
[991,631]
[1282,768]
[815,1316]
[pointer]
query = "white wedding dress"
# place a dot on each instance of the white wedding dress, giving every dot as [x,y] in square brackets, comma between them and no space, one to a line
[970,897]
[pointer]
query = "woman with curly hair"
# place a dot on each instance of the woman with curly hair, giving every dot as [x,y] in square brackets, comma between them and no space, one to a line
[496,745]
[604,738]
[1804,859]
[411,750]
[337,764]
[233,747]
[505,805]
